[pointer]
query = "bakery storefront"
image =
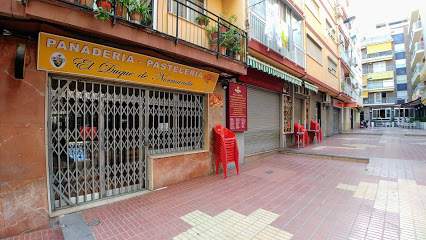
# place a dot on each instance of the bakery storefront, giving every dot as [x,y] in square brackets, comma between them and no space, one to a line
[115,119]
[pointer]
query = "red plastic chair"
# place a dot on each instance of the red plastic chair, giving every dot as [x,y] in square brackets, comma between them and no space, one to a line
[316,126]
[305,138]
[226,148]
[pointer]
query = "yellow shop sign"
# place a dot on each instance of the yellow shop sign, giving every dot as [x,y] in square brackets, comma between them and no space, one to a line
[67,55]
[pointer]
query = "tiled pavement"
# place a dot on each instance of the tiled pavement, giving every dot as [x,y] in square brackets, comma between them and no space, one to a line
[290,197]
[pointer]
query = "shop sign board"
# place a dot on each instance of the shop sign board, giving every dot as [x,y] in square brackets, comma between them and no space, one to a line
[338,103]
[350,105]
[237,107]
[76,57]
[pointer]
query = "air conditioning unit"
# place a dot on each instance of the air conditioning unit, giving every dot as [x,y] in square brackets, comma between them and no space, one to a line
[339,11]
[326,98]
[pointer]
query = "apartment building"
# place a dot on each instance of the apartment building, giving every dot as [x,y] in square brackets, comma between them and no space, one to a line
[387,73]
[104,103]
[333,63]
[417,64]
[99,108]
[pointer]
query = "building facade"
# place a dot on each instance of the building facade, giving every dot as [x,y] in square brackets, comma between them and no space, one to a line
[387,73]
[95,109]
[100,103]
[417,64]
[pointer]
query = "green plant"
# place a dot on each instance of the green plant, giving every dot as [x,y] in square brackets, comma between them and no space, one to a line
[230,39]
[133,6]
[145,11]
[103,12]
[238,50]
[393,119]
[202,18]
[232,19]
[211,30]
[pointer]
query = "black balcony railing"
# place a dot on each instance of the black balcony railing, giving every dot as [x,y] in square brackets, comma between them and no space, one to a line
[183,21]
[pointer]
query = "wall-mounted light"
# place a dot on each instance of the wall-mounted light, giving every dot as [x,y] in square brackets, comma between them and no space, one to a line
[224,83]
[20,61]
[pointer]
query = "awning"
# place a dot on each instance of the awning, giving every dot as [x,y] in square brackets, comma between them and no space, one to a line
[413,103]
[364,94]
[254,63]
[311,87]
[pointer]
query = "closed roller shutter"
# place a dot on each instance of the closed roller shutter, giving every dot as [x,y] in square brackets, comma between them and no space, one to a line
[298,110]
[263,121]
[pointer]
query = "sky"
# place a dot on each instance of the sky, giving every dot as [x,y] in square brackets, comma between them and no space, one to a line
[370,12]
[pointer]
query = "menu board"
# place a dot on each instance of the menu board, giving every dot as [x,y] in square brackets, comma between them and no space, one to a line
[237,107]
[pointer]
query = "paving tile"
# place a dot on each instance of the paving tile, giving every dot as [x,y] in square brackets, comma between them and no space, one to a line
[304,198]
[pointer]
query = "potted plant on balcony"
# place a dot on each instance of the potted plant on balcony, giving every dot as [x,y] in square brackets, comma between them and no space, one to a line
[104,12]
[212,32]
[230,41]
[133,12]
[146,12]
[238,50]
[225,25]
[202,20]
[120,8]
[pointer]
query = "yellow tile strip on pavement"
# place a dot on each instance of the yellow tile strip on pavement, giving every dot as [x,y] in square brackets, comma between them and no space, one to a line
[405,197]
[232,225]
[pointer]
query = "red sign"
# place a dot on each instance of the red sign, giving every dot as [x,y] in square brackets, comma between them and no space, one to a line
[350,105]
[338,103]
[237,107]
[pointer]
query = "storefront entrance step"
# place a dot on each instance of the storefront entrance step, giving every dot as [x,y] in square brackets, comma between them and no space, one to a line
[75,227]
[327,155]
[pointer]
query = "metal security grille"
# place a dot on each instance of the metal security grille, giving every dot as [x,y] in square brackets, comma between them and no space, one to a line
[99,135]
[263,121]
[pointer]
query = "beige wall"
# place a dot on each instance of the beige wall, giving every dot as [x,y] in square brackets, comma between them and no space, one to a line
[313,68]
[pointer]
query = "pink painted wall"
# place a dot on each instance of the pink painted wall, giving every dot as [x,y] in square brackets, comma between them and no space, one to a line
[23,185]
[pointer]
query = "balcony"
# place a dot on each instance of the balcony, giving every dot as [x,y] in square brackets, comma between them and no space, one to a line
[415,79]
[418,53]
[416,34]
[344,30]
[389,68]
[257,32]
[344,56]
[418,91]
[181,23]
[380,86]
[379,56]
[371,101]
[422,73]
[349,90]
[380,75]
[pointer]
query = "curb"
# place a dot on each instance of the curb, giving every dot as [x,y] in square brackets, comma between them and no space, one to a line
[414,135]
[374,134]
[327,155]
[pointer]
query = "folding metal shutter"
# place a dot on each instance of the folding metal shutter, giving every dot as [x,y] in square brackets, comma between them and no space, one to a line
[263,121]
[298,110]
